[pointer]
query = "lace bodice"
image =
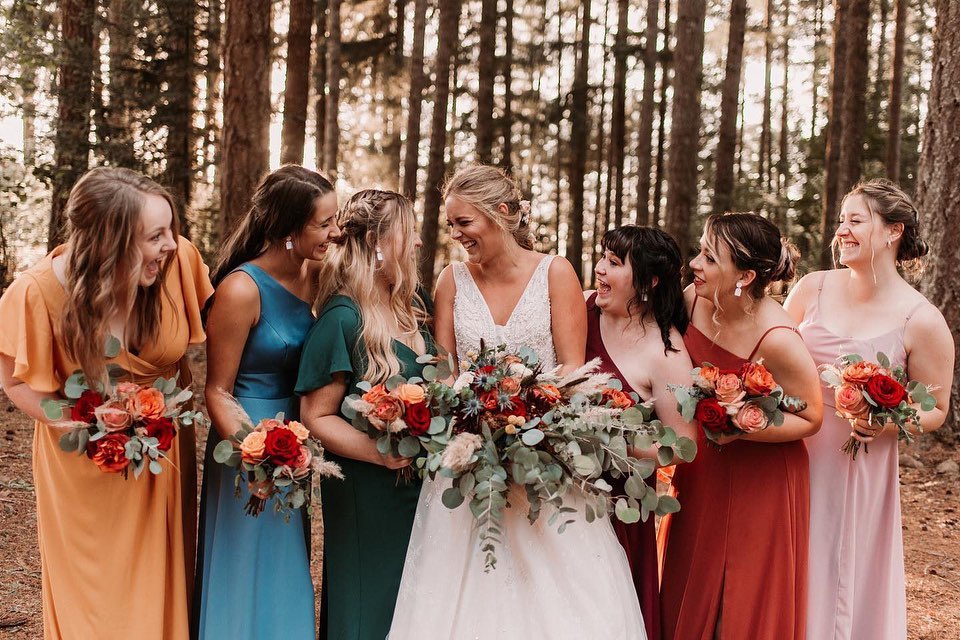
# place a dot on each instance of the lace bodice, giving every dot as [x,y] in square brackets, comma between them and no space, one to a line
[528,326]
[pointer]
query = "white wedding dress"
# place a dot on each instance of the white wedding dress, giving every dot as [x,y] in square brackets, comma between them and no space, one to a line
[546,584]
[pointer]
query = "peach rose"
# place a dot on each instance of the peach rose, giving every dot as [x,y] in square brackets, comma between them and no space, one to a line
[410,393]
[114,416]
[149,403]
[388,409]
[860,372]
[127,391]
[299,430]
[750,418]
[302,466]
[375,395]
[706,377]
[850,400]
[269,424]
[251,449]
[757,381]
[728,388]
[510,386]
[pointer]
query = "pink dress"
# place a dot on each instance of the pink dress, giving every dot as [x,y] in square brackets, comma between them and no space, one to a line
[856,588]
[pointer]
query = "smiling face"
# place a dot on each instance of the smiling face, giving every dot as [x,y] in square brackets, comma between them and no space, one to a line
[155,238]
[861,235]
[479,235]
[399,245]
[615,288]
[713,270]
[311,242]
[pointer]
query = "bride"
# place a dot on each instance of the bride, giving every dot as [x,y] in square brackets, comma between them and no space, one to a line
[546,584]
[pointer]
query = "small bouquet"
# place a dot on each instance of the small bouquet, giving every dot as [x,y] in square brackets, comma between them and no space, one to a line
[512,423]
[121,425]
[877,393]
[276,456]
[734,402]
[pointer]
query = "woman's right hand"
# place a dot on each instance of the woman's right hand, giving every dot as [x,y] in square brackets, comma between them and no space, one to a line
[391,461]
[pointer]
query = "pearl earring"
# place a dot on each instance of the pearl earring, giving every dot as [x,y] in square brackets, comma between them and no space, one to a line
[379,255]
[289,244]
[739,290]
[643,297]
[889,243]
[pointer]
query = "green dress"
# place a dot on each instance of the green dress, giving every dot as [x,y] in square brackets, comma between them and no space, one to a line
[368,515]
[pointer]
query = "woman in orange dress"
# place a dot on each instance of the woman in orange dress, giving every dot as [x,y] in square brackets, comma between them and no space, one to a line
[114,554]
[736,560]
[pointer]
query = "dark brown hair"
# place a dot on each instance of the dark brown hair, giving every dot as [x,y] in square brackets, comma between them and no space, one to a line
[755,244]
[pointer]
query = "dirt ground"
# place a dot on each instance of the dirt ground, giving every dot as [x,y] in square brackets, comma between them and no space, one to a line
[931,511]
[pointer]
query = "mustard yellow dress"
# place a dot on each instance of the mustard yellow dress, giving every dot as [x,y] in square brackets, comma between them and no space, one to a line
[116,555]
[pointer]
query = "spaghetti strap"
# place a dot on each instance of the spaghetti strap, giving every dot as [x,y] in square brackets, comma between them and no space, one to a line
[760,341]
[914,309]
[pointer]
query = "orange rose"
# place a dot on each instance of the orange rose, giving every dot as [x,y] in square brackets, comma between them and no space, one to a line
[388,409]
[510,386]
[618,398]
[149,403]
[109,452]
[728,388]
[850,401]
[706,377]
[410,393]
[490,399]
[547,392]
[375,395]
[114,416]
[251,449]
[750,418]
[299,430]
[860,372]
[757,381]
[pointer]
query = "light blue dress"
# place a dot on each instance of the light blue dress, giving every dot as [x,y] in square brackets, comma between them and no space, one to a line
[253,574]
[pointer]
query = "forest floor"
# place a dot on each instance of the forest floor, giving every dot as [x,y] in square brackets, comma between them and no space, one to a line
[930,499]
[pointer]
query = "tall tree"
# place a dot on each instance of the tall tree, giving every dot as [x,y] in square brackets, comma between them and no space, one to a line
[729,102]
[296,90]
[831,166]
[766,135]
[180,101]
[618,117]
[246,105]
[580,139]
[647,104]
[896,93]
[331,137]
[854,94]
[213,93]
[487,75]
[666,68]
[447,40]
[507,68]
[121,22]
[938,191]
[320,81]
[815,81]
[74,99]
[685,122]
[418,82]
[783,160]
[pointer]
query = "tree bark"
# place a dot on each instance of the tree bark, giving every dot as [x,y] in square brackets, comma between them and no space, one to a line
[214,91]
[854,94]
[331,138]
[831,165]
[600,220]
[418,81]
[506,160]
[685,122]
[580,140]
[729,103]
[938,190]
[766,134]
[296,90]
[74,100]
[815,82]
[121,21]
[618,117]
[487,75]
[896,93]
[181,97]
[647,104]
[320,81]
[28,100]
[447,41]
[783,161]
[246,105]
[666,67]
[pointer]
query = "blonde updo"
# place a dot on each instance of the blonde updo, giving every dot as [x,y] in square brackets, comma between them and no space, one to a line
[486,188]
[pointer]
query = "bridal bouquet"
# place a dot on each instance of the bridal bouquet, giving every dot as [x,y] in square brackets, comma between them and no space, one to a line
[276,456]
[734,402]
[877,393]
[510,422]
[121,425]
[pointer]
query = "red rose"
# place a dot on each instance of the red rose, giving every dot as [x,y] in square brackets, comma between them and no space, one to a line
[517,408]
[711,415]
[162,429]
[885,391]
[487,369]
[490,399]
[86,403]
[109,452]
[282,446]
[418,418]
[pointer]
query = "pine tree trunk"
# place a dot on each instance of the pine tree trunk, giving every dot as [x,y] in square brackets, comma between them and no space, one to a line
[765,134]
[685,122]
[487,75]
[729,103]
[666,68]
[418,81]
[331,138]
[74,100]
[854,94]
[831,166]
[246,105]
[647,104]
[320,81]
[896,93]
[600,221]
[181,96]
[815,81]
[28,100]
[296,90]
[938,190]
[447,42]
[618,117]
[214,92]
[121,21]
[506,159]
[879,78]
[580,140]
[783,161]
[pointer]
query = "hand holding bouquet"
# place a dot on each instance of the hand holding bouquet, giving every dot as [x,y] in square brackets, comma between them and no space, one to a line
[876,393]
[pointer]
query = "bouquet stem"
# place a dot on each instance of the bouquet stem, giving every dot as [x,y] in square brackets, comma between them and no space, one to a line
[255,506]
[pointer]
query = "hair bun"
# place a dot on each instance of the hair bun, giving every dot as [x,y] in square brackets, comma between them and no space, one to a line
[786,268]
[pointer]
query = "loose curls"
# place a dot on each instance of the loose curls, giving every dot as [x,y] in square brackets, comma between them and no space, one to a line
[486,188]
[755,244]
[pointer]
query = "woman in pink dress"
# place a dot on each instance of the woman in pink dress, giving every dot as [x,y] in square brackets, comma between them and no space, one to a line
[736,559]
[635,324]
[856,576]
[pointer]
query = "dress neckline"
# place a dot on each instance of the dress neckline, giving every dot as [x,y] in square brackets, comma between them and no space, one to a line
[690,325]
[604,353]
[275,281]
[520,300]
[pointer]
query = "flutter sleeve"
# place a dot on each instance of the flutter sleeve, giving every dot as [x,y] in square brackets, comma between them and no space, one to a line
[196,287]
[27,334]
[330,346]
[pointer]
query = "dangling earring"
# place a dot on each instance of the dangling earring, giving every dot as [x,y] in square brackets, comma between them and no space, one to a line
[643,297]
[289,244]
[379,255]
[739,290]
[889,243]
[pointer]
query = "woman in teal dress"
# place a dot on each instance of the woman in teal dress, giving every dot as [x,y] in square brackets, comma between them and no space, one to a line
[371,327]
[253,574]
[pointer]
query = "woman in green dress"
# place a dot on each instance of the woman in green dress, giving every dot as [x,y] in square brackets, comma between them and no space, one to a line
[371,326]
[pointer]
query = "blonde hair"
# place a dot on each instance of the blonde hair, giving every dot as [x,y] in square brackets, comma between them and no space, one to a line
[368,219]
[486,188]
[103,268]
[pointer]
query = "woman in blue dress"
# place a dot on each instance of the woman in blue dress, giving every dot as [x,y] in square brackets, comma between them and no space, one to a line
[253,574]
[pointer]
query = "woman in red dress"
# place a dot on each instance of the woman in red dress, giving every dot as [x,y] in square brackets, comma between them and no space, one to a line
[736,560]
[635,323]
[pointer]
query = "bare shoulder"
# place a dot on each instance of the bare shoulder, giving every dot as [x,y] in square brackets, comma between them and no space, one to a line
[237,291]
[927,320]
[445,281]
[561,274]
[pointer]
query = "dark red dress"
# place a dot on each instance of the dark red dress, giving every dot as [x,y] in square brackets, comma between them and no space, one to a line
[737,550]
[639,540]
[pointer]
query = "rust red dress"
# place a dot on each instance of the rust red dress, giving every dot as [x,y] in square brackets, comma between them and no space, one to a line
[639,540]
[736,559]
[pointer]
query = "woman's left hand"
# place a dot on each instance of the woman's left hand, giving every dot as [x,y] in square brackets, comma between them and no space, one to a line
[866,431]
